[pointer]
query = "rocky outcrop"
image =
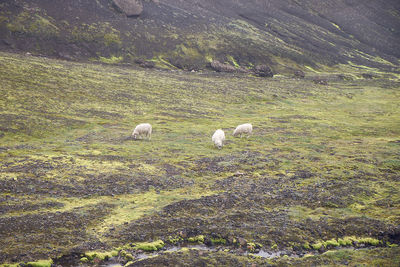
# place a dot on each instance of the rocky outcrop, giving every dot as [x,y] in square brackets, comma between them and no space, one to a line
[222,67]
[299,74]
[145,64]
[129,7]
[263,71]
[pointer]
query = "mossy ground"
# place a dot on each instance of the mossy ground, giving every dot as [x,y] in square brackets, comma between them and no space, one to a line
[322,164]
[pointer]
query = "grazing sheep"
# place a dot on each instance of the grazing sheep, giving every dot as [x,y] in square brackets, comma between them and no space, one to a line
[218,138]
[242,129]
[142,129]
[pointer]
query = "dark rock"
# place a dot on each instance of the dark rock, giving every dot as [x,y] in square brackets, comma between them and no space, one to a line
[299,74]
[242,242]
[145,64]
[320,81]
[263,71]
[130,7]
[221,67]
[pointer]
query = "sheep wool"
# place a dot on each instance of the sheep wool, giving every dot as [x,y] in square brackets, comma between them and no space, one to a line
[218,138]
[143,129]
[246,128]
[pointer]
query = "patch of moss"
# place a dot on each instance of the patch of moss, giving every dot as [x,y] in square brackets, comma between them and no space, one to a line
[332,242]
[317,246]
[99,255]
[96,32]
[33,24]
[10,265]
[150,246]
[111,60]
[40,263]
[84,260]
[218,241]
[174,240]
[306,245]
[345,241]
[369,241]
[196,239]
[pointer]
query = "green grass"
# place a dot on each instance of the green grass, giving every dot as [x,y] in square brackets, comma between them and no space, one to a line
[65,150]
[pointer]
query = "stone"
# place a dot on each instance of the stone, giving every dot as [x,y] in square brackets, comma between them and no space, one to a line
[263,71]
[130,7]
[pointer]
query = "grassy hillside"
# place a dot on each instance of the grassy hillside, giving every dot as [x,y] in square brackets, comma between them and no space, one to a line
[322,164]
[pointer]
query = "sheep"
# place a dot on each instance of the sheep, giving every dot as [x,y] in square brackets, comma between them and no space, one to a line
[218,138]
[142,129]
[242,129]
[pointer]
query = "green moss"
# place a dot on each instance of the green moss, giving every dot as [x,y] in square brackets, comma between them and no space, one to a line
[332,243]
[345,241]
[369,241]
[99,255]
[33,24]
[391,245]
[233,61]
[306,245]
[196,239]
[10,265]
[84,260]
[218,241]
[174,240]
[40,263]
[111,60]
[150,246]
[96,32]
[114,253]
[317,246]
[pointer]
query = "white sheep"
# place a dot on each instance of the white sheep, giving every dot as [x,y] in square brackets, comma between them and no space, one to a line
[246,128]
[143,129]
[218,138]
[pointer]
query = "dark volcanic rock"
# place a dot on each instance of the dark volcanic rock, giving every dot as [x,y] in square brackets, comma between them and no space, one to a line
[145,64]
[221,67]
[263,71]
[321,81]
[130,7]
[299,74]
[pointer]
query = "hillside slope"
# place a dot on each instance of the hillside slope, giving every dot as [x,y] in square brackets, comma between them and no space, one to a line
[286,34]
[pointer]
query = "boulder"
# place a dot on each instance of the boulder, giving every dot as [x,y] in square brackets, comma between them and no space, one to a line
[221,67]
[130,7]
[145,64]
[263,71]
[299,74]
[319,80]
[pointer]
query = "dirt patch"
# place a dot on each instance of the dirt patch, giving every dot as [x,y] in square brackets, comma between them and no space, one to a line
[59,230]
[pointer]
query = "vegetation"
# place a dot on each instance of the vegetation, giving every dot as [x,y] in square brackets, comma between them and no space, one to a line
[321,157]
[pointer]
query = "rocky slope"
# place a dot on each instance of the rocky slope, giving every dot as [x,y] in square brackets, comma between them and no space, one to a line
[285,34]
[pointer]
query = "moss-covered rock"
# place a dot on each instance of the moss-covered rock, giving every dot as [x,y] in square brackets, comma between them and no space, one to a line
[40,263]
[150,246]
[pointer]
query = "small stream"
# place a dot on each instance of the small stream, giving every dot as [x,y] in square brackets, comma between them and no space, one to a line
[113,262]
